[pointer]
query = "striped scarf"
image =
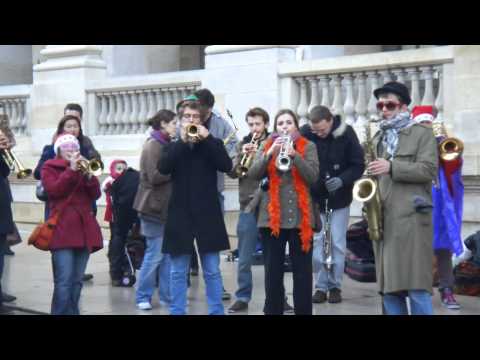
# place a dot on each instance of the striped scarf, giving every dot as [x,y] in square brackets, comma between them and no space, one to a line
[390,129]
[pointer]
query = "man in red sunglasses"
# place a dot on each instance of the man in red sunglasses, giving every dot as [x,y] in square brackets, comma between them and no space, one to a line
[405,166]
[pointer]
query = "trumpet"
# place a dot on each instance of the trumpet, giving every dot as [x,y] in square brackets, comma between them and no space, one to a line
[90,167]
[284,162]
[13,163]
[8,155]
[449,148]
[246,161]
[192,133]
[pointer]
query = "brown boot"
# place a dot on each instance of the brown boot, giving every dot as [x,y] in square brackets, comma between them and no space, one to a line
[334,296]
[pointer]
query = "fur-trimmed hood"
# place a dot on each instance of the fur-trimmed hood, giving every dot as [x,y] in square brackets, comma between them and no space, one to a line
[339,126]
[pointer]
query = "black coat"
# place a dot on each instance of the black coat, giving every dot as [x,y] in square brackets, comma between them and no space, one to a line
[341,155]
[194,208]
[123,193]
[6,217]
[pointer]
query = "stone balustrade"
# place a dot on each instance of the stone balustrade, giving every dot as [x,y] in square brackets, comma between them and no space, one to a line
[15,103]
[347,89]
[121,109]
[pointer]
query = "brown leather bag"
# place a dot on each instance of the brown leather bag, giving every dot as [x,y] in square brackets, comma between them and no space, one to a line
[42,236]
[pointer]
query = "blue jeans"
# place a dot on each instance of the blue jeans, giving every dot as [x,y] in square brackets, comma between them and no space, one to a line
[420,303]
[213,283]
[247,233]
[327,281]
[68,270]
[155,265]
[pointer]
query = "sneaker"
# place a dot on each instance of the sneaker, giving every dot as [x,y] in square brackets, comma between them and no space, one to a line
[448,300]
[144,306]
[226,295]
[319,297]
[287,308]
[9,252]
[237,307]
[334,296]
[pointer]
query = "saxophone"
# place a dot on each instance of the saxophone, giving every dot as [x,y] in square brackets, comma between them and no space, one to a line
[366,190]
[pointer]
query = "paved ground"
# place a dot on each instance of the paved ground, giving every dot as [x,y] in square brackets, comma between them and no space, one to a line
[28,276]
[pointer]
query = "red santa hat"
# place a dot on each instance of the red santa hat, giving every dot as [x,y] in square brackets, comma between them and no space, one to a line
[423,114]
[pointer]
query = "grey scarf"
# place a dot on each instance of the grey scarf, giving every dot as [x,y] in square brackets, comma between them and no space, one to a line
[390,129]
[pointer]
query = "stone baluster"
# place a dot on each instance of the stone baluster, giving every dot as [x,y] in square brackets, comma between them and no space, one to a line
[152,106]
[387,77]
[134,116]
[302,108]
[337,106]
[349,106]
[185,92]
[177,97]
[102,114]
[119,126]
[127,109]
[372,102]
[415,93]
[361,105]
[159,99]
[8,110]
[439,101]
[142,117]
[110,128]
[168,99]
[400,75]
[325,85]
[14,115]
[315,98]
[428,96]
[23,115]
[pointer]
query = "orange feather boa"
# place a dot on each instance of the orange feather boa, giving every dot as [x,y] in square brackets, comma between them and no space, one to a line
[303,199]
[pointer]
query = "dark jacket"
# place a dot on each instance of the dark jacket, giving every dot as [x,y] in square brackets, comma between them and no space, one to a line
[6,217]
[194,208]
[154,191]
[341,155]
[86,149]
[123,192]
[77,227]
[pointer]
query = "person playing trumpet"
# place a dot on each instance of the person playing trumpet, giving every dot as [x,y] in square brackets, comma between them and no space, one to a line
[77,233]
[286,213]
[194,212]
[247,231]
[6,217]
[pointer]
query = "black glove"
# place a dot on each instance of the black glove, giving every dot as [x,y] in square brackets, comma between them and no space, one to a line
[333,184]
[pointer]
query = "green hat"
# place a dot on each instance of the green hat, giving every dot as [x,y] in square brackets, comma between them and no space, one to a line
[188,98]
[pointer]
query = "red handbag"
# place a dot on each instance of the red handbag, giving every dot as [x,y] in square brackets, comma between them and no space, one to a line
[42,236]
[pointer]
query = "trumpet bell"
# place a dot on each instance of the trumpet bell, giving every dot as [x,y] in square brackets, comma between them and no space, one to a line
[364,189]
[284,163]
[450,149]
[22,174]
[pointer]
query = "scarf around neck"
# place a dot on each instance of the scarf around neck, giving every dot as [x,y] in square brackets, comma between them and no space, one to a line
[160,136]
[391,128]
[302,190]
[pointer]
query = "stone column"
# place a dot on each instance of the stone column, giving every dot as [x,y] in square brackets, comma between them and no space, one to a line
[62,78]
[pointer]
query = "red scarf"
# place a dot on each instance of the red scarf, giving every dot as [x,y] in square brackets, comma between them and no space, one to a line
[301,188]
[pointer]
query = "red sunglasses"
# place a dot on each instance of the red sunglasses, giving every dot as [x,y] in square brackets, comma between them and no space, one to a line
[390,105]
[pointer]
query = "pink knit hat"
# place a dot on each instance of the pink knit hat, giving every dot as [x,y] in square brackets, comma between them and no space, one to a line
[63,140]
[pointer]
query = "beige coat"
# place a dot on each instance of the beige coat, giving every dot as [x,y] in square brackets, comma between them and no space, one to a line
[154,189]
[290,213]
[404,257]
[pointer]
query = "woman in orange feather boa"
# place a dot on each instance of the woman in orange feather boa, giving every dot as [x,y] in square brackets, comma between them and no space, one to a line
[286,214]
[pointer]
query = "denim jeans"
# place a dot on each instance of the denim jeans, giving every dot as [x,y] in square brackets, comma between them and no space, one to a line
[155,265]
[327,281]
[247,233]
[420,303]
[213,283]
[68,270]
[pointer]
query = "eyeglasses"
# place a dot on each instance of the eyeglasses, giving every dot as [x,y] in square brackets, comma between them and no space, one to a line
[390,105]
[191,116]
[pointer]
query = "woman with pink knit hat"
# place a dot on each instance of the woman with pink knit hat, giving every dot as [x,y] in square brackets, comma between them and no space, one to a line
[77,234]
